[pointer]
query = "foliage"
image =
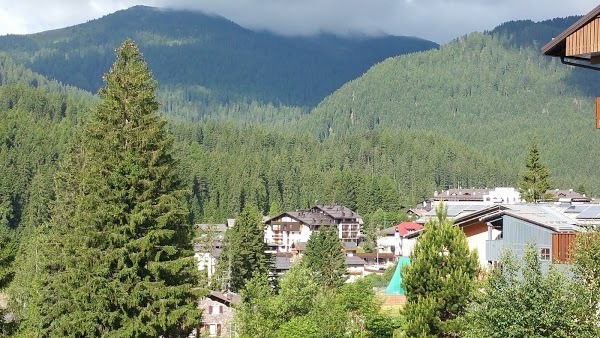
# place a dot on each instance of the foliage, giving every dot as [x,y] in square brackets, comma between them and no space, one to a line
[8,248]
[303,308]
[534,180]
[376,222]
[324,257]
[243,255]
[520,300]
[440,280]
[7,255]
[483,90]
[586,263]
[255,316]
[118,258]
[227,166]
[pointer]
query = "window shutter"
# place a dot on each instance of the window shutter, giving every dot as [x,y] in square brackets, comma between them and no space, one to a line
[218,329]
[210,309]
[220,308]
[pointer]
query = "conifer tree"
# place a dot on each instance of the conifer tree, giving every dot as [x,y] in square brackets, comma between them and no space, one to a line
[534,180]
[243,256]
[324,257]
[7,254]
[118,256]
[440,280]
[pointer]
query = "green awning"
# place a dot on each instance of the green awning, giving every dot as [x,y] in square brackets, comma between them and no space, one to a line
[395,288]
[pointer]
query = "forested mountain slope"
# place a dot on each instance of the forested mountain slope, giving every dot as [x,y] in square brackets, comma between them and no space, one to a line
[226,165]
[492,91]
[207,60]
[36,132]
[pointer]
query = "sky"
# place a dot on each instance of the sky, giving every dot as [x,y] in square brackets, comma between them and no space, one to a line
[436,20]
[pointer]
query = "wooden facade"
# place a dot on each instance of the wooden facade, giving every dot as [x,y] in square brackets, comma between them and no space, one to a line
[562,244]
[579,45]
[585,41]
[475,228]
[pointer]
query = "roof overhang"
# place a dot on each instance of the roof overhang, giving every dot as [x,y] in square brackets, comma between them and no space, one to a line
[558,46]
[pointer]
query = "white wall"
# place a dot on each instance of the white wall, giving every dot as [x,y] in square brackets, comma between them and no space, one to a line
[478,242]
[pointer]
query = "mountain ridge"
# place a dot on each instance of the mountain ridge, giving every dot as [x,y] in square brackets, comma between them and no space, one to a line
[485,89]
[185,48]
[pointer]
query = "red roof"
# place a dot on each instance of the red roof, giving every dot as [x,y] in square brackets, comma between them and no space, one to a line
[405,228]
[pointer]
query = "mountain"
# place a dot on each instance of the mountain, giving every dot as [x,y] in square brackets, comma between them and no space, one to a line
[210,59]
[225,165]
[491,90]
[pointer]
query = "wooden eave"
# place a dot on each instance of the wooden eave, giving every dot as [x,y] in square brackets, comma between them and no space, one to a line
[558,46]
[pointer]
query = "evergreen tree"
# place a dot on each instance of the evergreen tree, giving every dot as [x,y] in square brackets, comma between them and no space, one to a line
[324,257]
[119,259]
[534,180]
[243,256]
[440,281]
[519,300]
[7,255]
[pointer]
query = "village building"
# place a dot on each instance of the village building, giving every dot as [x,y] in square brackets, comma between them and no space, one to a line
[285,229]
[217,314]
[496,229]
[207,246]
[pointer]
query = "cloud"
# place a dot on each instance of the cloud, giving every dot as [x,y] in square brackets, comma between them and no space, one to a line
[437,20]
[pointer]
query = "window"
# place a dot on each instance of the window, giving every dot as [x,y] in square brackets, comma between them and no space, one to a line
[545,254]
[212,330]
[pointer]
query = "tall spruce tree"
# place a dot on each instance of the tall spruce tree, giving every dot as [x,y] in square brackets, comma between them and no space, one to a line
[119,259]
[440,280]
[324,257]
[243,256]
[535,179]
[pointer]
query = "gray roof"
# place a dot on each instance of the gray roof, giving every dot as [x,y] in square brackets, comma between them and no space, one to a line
[226,298]
[388,231]
[543,215]
[456,209]
[462,195]
[336,211]
[299,245]
[349,245]
[320,215]
[283,262]
[215,227]
[354,260]
[311,218]
[564,194]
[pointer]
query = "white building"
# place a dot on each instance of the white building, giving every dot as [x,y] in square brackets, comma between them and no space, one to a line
[285,229]
[207,246]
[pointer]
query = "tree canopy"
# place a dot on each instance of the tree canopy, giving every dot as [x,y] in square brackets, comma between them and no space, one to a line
[535,178]
[440,279]
[324,257]
[118,254]
[520,300]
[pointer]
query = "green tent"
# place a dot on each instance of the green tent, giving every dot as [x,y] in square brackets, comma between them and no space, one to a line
[395,288]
